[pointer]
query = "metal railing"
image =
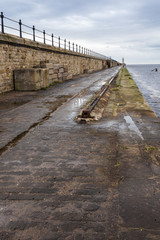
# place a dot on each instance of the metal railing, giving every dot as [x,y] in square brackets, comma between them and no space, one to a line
[23,31]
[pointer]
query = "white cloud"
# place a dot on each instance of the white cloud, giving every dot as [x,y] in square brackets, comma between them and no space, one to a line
[116,28]
[69,22]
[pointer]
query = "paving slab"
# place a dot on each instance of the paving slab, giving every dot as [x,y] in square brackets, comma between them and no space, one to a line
[99,180]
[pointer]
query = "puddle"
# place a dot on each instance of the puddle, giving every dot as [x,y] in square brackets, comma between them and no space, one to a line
[79,102]
[132,126]
[106,125]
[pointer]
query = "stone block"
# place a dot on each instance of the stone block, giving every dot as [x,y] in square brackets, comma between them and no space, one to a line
[44,74]
[42,64]
[85,71]
[46,65]
[51,61]
[60,75]
[55,76]
[65,78]
[57,66]
[65,74]
[47,61]
[51,71]
[36,66]
[61,70]
[65,67]
[56,71]
[30,79]
[50,77]
[70,76]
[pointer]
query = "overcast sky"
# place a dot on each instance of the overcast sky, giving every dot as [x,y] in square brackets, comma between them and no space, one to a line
[129,29]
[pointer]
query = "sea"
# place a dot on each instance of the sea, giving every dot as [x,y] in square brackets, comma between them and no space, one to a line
[148,81]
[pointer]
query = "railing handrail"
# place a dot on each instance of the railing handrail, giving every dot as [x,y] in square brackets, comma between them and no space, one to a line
[53,40]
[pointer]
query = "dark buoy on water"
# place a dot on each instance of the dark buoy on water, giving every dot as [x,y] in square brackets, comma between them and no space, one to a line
[155,69]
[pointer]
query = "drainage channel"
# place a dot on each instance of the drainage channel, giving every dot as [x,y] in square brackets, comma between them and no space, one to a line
[86,112]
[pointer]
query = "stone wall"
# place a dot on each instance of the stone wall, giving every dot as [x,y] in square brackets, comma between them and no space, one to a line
[17,53]
[41,76]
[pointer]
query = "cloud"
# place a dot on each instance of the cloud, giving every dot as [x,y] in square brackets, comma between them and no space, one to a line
[117,28]
[155,46]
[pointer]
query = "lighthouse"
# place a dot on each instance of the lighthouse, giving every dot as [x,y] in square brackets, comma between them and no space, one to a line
[123,64]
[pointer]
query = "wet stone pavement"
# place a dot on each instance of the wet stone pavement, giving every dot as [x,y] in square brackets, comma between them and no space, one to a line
[95,181]
[15,121]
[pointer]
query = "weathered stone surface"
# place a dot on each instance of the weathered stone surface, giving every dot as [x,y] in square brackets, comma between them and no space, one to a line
[99,181]
[51,71]
[60,75]
[55,76]
[30,79]
[57,66]
[69,76]
[56,71]
[65,76]
[61,70]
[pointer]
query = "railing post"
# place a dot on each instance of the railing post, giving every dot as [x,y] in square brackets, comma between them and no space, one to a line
[64,43]
[34,38]
[44,36]
[59,40]
[76,48]
[2,23]
[20,28]
[69,45]
[79,49]
[52,40]
[82,50]
[73,47]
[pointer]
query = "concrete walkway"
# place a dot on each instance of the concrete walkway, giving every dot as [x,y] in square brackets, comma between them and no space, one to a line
[97,181]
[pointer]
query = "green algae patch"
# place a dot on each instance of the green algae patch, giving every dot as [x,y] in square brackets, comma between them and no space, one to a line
[115,89]
[150,148]
[154,153]
[117,165]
